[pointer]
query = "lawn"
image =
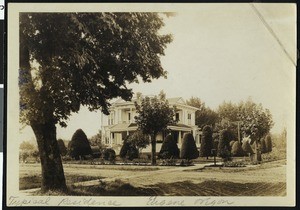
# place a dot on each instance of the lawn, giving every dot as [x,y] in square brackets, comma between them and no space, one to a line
[267,179]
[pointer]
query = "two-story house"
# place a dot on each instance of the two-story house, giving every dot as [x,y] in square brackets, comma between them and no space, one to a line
[121,122]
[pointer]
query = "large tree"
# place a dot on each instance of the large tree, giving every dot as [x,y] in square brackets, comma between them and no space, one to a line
[73,59]
[154,115]
[204,115]
[255,121]
[139,140]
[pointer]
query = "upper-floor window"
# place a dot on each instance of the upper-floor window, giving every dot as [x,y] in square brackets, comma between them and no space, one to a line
[177,116]
[129,116]
[189,116]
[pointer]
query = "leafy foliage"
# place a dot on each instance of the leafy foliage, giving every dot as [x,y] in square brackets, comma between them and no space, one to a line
[206,142]
[263,146]
[204,116]
[139,140]
[79,145]
[216,145]
[62,147]
[128,151]
[96,139]
[109,154]
[96,151]
[188,148]
[247,148]
[237,150]
[268,141]
[256,121]
[154,115]
[85,59]
[228,110]
[224,147]
[73,59]
[169,148]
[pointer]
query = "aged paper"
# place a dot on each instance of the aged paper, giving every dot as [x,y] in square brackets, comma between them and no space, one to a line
[278,70]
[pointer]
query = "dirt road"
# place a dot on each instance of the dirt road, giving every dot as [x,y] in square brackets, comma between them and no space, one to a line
[265,179]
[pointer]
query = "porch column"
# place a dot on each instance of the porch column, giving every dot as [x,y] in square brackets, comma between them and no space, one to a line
[111,139]
[179,138]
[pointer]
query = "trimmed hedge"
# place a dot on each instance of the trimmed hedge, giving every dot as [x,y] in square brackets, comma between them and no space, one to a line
[169,148]
[188,148]
[263,146]
[268,143]
[247,148]
[224,147]
[109,154]
[237,150]
[129,151]
[207,142]
[62,147]
[79,145]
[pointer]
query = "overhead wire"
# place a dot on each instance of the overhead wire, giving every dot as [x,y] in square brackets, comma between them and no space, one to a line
[272,32]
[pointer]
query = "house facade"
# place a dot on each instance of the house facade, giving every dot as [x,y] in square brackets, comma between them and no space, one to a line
[121,123]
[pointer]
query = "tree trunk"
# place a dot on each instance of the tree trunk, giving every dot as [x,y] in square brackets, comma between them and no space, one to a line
[52,170]
[153,149]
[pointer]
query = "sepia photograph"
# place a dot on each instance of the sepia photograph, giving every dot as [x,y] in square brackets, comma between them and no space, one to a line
[151,104]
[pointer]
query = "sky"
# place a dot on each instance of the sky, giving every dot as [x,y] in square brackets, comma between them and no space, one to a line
[221,52]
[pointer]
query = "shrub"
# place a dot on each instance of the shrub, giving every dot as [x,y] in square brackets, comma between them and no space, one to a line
[139,140]
[109,154]
[234,164]
[169,162]
[169,148]
[96,152]
[188,148]
[263,146]
[268,143]
[224,147]
[185,163]
[79,145]
[129,151]
[237,150]
[62,147]
[216,145]
[247,148]
[124,149]
[207,142]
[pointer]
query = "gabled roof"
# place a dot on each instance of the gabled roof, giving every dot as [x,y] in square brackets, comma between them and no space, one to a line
[175,100]
[172,101]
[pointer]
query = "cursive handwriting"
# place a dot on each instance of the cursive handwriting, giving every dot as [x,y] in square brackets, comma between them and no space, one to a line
[17,201]
[87,202]
[212,202]
[154,201]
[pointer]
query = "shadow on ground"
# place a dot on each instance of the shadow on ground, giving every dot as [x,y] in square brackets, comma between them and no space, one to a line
[186,188]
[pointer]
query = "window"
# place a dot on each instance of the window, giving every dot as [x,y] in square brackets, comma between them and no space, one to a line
[177,116]
[113,135]
[189,116]
[108,121]
[129,116]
